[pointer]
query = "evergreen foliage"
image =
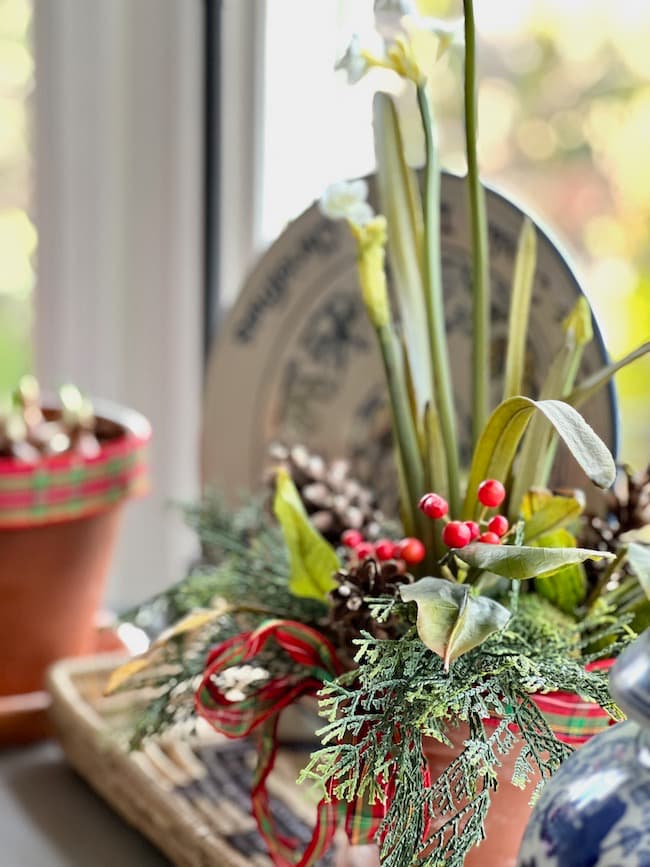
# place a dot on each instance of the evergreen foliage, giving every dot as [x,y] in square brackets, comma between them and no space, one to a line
[380,714]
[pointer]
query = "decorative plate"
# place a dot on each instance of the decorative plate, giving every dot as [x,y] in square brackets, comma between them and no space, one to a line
[295,360]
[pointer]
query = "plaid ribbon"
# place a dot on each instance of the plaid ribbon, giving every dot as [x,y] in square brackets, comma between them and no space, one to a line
[258,713]
[572,719]
[69,486]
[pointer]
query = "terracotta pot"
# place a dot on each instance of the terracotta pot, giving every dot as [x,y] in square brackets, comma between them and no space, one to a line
[58,523]
[573,720]
[509,809]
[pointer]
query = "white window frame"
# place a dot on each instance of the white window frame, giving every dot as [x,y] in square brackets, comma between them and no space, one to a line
[118,207]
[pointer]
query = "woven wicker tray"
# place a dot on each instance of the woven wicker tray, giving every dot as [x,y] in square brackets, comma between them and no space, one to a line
[188,794]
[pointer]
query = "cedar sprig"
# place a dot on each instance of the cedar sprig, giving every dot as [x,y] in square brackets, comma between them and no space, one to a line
[244,559]
[401,687]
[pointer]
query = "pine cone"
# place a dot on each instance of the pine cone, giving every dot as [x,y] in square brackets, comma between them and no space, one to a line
[627,507]
[350,614]
[334,500]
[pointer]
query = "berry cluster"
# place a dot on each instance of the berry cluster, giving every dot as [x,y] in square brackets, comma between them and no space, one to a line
[410,550]
[457,534]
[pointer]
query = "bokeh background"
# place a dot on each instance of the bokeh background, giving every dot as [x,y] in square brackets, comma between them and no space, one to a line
[564,129]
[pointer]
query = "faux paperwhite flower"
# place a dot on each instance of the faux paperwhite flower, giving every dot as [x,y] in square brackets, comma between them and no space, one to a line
[389,15]
[347,200]
[448,33]
[353,61]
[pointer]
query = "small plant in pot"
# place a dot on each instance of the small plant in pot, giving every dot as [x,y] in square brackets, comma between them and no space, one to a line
[66,469]
[463,643]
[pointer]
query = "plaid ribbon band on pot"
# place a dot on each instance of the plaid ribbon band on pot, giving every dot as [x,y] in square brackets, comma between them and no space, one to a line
[69,486]
[572,719]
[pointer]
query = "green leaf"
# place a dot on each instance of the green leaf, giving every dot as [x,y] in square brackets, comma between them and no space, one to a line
[566,588]
[433,451]
[540,443]
[312,559]
[638,558]
[451,620]
[545,512]
[401,205]
[519,562]
[596,381]
[545,515]
[496,448]
[522,291]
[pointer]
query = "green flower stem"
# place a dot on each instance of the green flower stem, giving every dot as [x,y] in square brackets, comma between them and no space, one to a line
[481,268]
[405,433]
[435,306]
[605,577]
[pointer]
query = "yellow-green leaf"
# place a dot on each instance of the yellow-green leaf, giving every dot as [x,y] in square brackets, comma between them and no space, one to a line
[496,448]
[402,207]
[596,381]
[638,557]
[520,297]
[540,442]
[312,559]
[545,512]
[519,562]
[450,619]
[566,588]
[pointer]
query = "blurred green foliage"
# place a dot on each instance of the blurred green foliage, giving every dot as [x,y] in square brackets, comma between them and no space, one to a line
[565,129]
[17,232]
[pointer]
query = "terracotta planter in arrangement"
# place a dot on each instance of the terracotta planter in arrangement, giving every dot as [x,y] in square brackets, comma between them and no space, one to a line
[59,519]
[573,720]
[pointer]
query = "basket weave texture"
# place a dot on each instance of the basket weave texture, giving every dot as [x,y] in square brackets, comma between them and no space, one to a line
[190,795]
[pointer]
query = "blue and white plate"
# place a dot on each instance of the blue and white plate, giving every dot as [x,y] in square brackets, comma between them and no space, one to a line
[296,360]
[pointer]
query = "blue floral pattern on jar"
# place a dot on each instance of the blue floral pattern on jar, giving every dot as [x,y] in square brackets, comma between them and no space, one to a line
[596,810]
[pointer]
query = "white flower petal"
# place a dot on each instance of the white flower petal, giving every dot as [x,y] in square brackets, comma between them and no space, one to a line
[361,213]
[448,32]
[389,15]
[353,62]
[346,200]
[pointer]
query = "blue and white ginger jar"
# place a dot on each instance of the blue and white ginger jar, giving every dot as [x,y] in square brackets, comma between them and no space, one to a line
[595,812]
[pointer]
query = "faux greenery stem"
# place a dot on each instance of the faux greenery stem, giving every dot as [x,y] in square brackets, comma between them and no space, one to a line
[404,429]
[434,303]
[480,265]
[605,577]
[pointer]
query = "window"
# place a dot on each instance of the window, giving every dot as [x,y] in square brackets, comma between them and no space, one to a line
[564,125]
[17,231]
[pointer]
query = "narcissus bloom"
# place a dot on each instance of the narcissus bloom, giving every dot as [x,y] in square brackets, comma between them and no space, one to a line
[347,200]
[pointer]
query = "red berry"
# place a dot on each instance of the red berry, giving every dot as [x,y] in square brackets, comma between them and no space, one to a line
[434,506]
[364,550]
[491,493]
[411,550]
[499,525]
[473,529]
[351,538]
[385,549]
[456,534]
[489,538]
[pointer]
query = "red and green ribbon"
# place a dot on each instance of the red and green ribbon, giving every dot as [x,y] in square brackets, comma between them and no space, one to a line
[314,662]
